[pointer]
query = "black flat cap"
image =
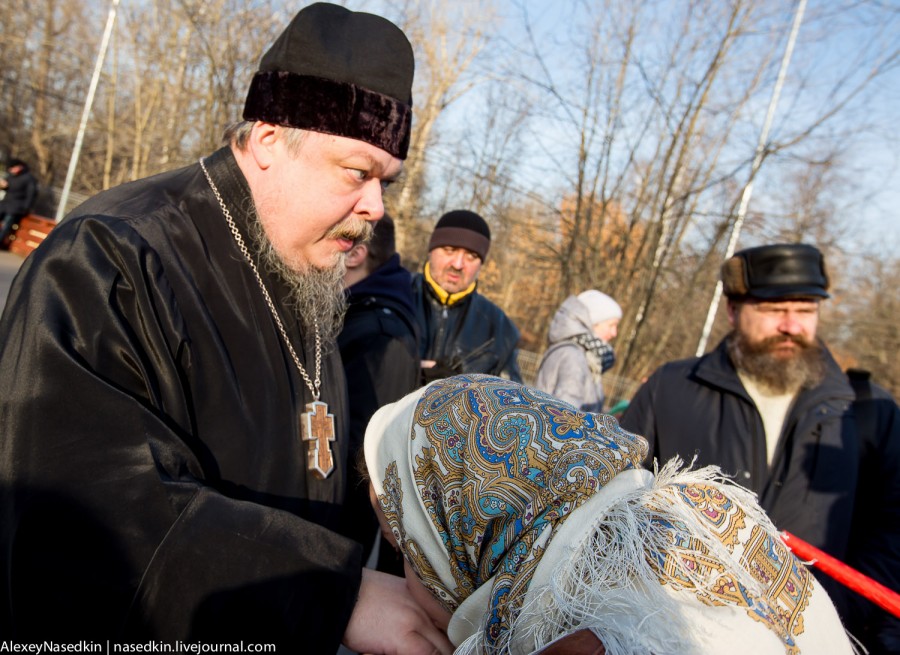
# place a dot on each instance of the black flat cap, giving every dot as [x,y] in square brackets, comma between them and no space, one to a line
[340,72]
[780,271]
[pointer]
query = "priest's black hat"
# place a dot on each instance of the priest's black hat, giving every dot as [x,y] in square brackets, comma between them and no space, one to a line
[781,271]
[340,72]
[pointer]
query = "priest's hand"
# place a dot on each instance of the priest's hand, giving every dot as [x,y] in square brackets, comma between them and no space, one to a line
[387,621]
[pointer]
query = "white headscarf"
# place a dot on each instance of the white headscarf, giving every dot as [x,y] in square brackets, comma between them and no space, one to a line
[529,520]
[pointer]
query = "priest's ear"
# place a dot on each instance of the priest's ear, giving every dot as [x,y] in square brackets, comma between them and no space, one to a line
[262,142]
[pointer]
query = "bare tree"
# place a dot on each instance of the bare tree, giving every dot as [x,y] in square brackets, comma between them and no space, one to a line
[447,39]
[42,40]
[864,327]
[607,143]
[657,130]
[649,135]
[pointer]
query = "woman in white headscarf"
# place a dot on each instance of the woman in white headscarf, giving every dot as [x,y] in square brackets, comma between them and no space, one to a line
[580,350]
[526,523]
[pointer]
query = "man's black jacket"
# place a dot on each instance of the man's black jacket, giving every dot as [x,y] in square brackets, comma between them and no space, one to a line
[472,335]
[828,484]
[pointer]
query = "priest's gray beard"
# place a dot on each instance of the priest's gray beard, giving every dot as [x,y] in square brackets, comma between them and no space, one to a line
[315,294]
[778,374]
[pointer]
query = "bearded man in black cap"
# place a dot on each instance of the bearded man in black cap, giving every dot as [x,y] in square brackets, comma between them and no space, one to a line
[771,407]
[173,454]
[461,331]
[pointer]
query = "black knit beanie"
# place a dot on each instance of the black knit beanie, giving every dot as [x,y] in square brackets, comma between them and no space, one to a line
[462,229]
[339,72]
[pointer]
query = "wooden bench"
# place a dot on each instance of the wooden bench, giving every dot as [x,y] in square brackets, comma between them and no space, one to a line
[28,233]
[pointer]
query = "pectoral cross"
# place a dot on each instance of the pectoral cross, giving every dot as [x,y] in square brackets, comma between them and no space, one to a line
[317,427]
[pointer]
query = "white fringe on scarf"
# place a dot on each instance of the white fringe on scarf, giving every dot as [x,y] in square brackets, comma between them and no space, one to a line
[608,585]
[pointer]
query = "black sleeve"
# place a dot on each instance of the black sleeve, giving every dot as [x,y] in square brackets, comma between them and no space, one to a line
[511,368]
[639,417]
[875,536]
[113,523]
[509,336]
[31,198]
[381,360]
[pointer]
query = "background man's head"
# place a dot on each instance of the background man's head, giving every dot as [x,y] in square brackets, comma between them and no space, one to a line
[364,258]
[773,307]
[458,247]
[16,166]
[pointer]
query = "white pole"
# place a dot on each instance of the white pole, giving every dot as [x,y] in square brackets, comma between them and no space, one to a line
[754,168]
[79,139]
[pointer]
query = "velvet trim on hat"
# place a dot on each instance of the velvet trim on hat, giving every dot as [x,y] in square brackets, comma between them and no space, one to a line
[322,105]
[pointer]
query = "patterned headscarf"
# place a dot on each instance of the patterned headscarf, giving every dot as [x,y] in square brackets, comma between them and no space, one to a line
[528,520]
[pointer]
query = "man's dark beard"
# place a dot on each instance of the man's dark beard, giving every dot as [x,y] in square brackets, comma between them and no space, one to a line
[316,294]
[778,374]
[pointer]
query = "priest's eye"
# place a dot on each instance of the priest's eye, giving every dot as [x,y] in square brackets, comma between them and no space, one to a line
[359,174]
[385,184]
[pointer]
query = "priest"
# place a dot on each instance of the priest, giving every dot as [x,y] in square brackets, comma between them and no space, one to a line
[173,408]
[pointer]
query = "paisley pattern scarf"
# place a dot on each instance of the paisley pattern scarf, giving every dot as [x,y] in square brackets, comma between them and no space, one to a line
[528,519]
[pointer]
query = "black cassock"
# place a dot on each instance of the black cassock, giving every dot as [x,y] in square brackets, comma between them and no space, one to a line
[154,481]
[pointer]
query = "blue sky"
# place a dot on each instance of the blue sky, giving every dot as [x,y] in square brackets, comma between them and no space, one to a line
[837,38]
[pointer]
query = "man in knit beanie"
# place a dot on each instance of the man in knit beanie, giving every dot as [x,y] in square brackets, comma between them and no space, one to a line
[772,408]
[461,331]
